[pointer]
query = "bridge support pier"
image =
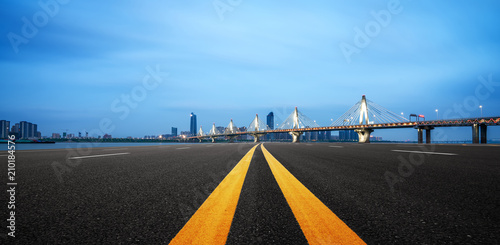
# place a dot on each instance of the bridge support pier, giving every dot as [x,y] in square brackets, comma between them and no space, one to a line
[428,135]
[420,135]
[231,138]
[296,136]
[477,130]
[256,137]
[213,139]
[475,134]
[199,138]
[364,134]
[420,131]
[483,134]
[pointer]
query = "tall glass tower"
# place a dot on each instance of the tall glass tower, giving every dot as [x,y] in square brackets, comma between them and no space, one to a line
[193,124]
[270,120]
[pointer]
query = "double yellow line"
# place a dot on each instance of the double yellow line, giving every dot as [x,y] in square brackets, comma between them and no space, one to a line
[212,221]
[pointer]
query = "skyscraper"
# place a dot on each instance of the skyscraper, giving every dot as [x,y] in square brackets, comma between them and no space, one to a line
[270,120]
[4,129]
[348,135]
[193,124]
[33,130]
[15,129]
[270,124]
[24,130]
[174,131]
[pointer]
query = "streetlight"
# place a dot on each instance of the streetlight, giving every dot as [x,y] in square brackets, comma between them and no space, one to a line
[437,114]
[481,107]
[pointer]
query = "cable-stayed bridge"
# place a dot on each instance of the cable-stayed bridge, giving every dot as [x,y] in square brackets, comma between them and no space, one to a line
[363,117]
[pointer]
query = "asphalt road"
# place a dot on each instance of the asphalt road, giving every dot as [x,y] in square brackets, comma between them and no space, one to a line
[386,193]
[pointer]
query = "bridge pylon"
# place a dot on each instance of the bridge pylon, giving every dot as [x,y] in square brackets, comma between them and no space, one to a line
[296,134]
[213,132]
[257,128]
[296,121]
[366,112]
[200,134]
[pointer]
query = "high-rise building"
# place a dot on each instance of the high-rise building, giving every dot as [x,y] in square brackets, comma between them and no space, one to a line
[270,124]
[327,135]
[4,129]
[270,120]
[348,135]
[15,129]
[23,130]
[193,124]
[29,130]
[56,136]
[33,130]
[174,131]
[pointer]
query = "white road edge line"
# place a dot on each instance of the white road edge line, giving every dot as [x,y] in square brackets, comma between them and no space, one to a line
[182,148]
[103,155]
[428,152]
[336,146]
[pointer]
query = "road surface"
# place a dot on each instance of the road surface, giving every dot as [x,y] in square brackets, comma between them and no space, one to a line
[378,193]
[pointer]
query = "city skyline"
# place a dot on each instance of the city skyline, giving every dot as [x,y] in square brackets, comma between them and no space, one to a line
[143,72]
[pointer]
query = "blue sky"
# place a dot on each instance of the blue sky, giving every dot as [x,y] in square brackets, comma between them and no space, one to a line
[238,60]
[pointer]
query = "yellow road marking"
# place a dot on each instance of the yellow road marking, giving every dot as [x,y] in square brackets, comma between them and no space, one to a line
[212,221]
[319,224]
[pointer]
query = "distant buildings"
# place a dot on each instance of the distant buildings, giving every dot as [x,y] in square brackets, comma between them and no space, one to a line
[107,136]
[15,129]
[22,130]
[220,129]
[56,136]
[348,135]
[4,129]
[193,127]
[23,133]
[174,131]
[270,120]
[270,124]
[186,133]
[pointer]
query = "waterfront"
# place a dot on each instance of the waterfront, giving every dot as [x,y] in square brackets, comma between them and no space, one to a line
[72,145]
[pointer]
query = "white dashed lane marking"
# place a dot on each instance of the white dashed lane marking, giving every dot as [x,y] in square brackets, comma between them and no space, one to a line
[427,152]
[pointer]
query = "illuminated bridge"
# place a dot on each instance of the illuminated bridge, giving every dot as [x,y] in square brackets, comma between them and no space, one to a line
[364,117]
